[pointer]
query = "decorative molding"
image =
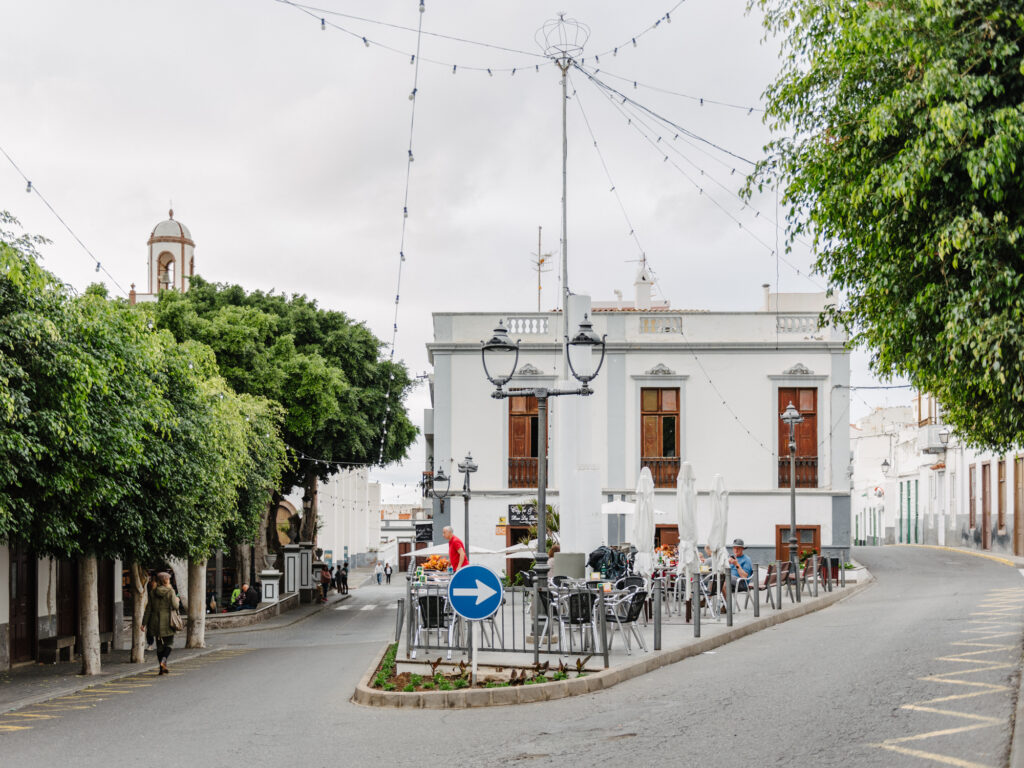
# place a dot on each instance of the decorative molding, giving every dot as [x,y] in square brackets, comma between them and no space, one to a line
[660,370]
[798,370]
[529,370]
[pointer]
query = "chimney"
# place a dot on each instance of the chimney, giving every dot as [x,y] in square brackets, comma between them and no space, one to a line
[767,297]
[643,284]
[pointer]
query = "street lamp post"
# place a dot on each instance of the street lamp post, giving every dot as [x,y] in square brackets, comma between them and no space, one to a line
[432,483]
[467,467]
[791,417]
[504,357]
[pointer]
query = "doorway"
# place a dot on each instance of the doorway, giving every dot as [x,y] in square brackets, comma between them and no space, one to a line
[23,604]
[808,539]
[986,506]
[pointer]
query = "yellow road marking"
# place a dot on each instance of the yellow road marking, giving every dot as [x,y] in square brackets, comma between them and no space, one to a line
[1002,560]
[952,713]
[4,728]
[29,714]
[943,732]
[946,759]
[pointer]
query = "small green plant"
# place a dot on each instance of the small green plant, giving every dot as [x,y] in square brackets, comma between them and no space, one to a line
[428,686]
[379,680]
[438,678]
[531,681]
[561,675]
[496,684]
[540,679]
[416,679]
[389,686]
[409,688]
[445,686]
[462,683]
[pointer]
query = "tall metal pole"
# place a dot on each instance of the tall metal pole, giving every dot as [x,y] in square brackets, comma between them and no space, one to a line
[540,263]
[792,509]
[563,64]
[542,490]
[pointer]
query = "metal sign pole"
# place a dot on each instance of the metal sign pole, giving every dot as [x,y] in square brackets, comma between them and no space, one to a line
[474,639]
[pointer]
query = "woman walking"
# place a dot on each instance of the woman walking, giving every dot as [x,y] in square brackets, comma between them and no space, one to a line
[158,618]
[387,572]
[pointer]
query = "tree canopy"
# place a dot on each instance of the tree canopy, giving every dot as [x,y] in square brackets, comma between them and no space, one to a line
[901,154]
[339,395]
[116,440]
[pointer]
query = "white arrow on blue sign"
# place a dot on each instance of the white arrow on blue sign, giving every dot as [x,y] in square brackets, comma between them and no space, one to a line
[475,592]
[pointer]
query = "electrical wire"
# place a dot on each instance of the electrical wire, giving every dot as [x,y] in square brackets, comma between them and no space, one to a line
[657,146]
[405,217]
[30,187]
[666,17]
[440,35]
[414,57]
[701,100]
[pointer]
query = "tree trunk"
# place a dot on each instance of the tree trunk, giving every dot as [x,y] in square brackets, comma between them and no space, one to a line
[243,562]
[309,508]
[196,603]
[89,613]
[139,599]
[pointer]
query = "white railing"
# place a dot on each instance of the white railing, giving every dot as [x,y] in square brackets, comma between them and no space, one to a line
[528,325]
[797,323]
[661,324]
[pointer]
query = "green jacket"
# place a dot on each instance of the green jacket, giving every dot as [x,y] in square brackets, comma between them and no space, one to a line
[158,611]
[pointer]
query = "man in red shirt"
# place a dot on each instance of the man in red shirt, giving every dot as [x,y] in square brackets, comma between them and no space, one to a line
[456,550]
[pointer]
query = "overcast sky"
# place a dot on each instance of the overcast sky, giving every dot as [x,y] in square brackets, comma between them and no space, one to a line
[284,149]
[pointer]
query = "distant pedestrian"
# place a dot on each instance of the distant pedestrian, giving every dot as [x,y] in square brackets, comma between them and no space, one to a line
[378,571]
[150,586]
[344,578]
[158,618]
[325,583]
[337,578]
[387,571]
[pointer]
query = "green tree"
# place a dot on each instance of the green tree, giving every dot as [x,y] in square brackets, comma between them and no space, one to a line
[902,154]
[341,398]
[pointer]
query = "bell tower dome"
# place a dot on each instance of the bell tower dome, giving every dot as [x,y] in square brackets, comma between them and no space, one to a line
[171,259]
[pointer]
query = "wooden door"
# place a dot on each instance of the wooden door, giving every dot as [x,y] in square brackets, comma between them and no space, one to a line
[986,506]
[808,540]
[67,598]
[805,400]
[105,594]
[666,536]
[23,604]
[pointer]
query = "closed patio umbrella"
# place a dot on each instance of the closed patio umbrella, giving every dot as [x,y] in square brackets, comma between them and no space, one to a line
[686,505]
[643,524]
[719,525]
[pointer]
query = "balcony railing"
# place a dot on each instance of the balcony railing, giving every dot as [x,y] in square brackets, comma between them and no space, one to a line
[663,470]
[806,472]
[522,472]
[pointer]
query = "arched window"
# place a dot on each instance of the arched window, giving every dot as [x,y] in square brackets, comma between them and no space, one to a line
[165,271]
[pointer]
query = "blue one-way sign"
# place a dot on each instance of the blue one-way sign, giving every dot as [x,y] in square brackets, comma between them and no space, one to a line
[475,592]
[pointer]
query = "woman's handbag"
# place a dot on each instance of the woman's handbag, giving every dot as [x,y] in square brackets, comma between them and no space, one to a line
[176,623]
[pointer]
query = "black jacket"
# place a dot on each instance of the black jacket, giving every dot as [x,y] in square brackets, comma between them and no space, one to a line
[251,598]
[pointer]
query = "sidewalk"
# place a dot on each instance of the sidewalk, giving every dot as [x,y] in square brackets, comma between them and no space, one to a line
[29,684]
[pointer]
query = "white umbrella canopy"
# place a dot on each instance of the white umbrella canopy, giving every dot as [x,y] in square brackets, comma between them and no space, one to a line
[643,524]
[719,525]
[442,549]
[686,506]
[618,507]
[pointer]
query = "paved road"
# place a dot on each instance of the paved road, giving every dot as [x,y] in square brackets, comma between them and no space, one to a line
[918,670]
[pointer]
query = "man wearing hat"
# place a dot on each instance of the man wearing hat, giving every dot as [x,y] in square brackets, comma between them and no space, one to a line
[740,566]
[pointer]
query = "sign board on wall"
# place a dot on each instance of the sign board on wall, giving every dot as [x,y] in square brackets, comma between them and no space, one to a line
[424,532]
[522,514]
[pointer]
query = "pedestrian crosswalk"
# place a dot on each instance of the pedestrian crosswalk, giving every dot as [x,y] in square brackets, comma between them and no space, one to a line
[367,607]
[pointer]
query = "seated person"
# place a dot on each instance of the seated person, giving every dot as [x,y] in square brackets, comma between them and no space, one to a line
[211,602]
[740,566]
[236,599]
[252,597]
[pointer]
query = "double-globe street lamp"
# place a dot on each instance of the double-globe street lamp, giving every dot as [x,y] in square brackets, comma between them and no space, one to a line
[433,483]
[791,417]
[500,358]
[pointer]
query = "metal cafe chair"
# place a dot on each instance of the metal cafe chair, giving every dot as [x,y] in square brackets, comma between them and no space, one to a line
[623,611]
[433,613]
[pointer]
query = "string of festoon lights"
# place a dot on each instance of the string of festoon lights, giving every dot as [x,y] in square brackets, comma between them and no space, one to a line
[664,148]
[31,188]
[325,19]
[653,135]
[401,245]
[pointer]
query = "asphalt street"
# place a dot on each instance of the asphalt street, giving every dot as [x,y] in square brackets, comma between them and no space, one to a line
[919,669]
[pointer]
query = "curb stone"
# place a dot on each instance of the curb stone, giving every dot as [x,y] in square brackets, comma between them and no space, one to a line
[593,681]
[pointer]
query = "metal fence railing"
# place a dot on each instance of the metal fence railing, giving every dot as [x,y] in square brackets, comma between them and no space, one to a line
[579,617]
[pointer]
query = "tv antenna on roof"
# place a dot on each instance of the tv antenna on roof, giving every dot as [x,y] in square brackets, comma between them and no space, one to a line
[540,261]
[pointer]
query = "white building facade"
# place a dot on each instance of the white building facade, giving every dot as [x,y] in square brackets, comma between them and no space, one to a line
[702,387]
[349,514]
